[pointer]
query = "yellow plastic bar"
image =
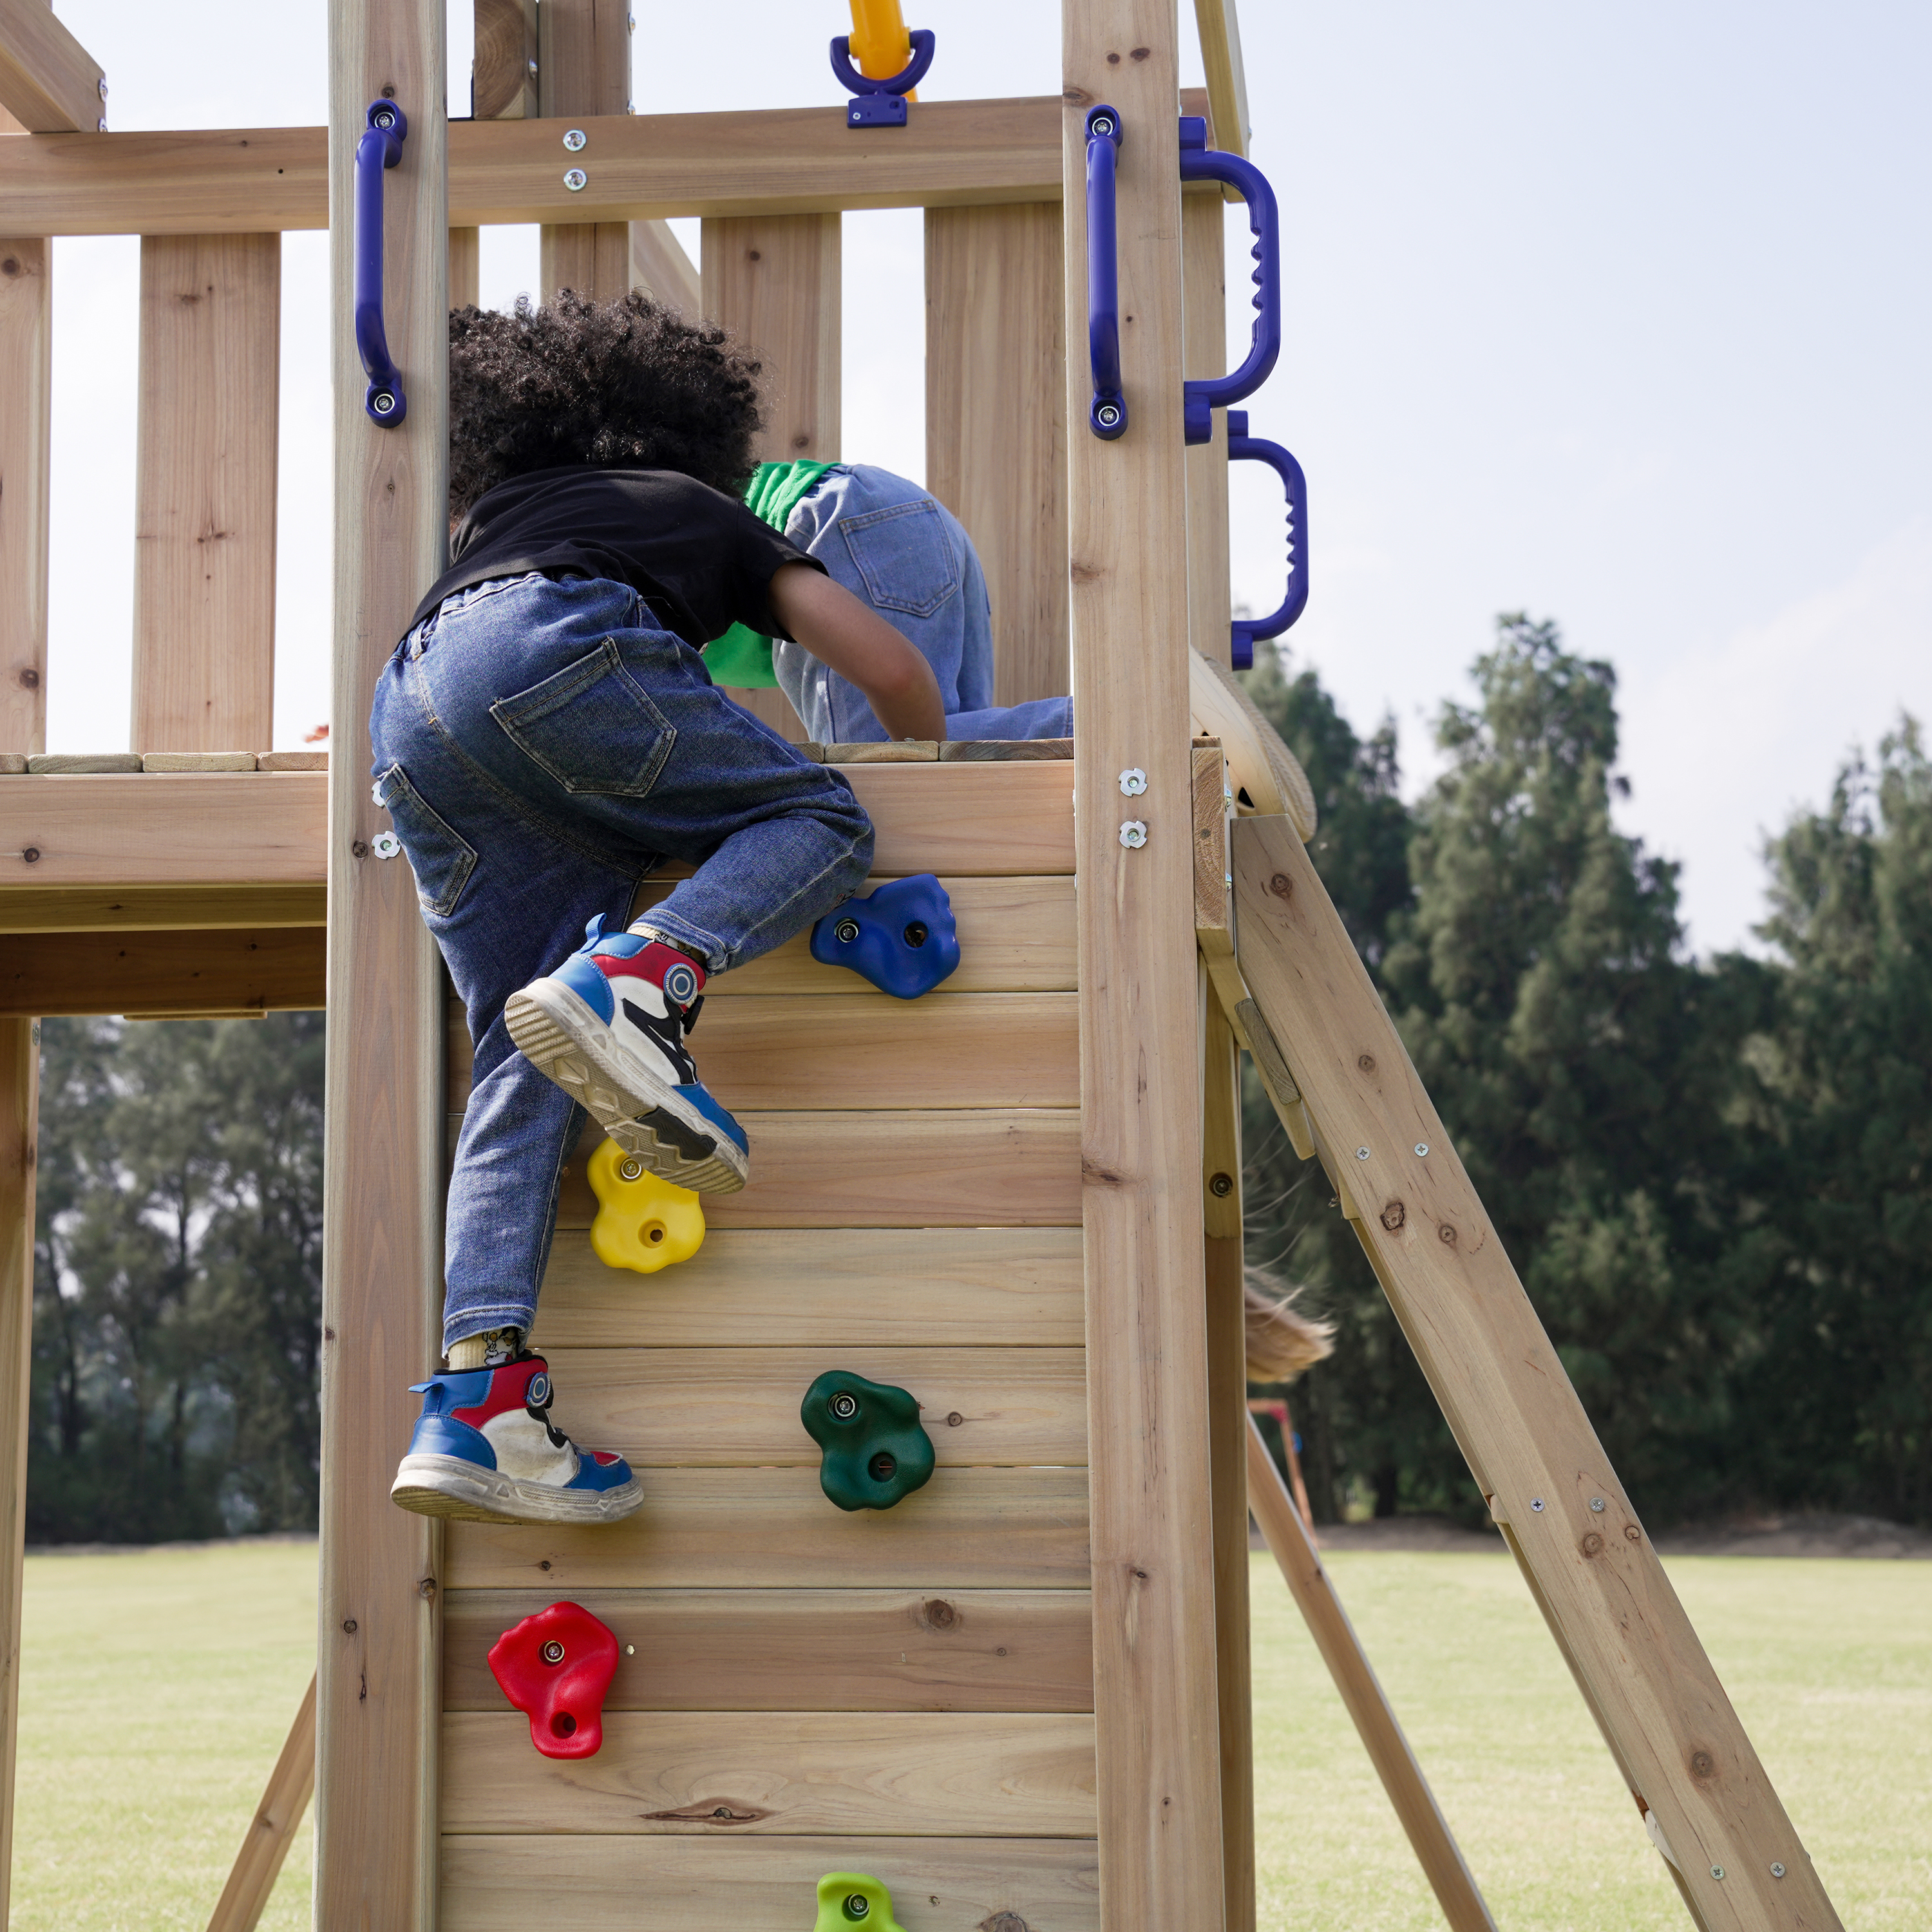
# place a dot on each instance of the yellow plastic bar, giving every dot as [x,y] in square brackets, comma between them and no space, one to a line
[881,45]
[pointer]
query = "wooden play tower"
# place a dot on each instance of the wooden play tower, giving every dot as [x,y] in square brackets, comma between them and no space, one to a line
[1020,1699]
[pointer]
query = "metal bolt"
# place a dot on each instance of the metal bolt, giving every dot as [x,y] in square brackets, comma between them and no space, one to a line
[1536,1504]
[553,1651]
[1777,1871]
[1133,833]
[385,403]
[1133,782]
[630,1650]
[1422,1150]
[1107,414]
[1361,1153]
[533,70]
[1221,1186]
[1103,125]
[1596,1503]
[845,1405]
[631,21]
[104,90]
[632,1169]
[385,117]
[575,179]
[857,1905]
[576,139]
[845,931]
[100,126]
[385,845]
[1717,1871]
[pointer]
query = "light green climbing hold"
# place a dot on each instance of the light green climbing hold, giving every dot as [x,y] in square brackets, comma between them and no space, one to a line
[849,1899]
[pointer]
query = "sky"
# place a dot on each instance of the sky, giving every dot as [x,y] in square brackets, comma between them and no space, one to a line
[1617,316]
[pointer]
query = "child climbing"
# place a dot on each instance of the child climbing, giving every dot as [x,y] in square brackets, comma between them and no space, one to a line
[547,733]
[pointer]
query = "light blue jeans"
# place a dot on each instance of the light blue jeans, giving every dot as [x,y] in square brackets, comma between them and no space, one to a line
[902,551]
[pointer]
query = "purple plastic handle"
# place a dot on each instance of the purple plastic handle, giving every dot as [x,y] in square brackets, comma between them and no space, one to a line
[1241,446]
[1107,413]
[1198,162]
[904,81]
[380,149]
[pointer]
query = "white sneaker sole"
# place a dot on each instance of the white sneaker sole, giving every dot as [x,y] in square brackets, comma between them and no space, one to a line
[565,1042]
[447,1486]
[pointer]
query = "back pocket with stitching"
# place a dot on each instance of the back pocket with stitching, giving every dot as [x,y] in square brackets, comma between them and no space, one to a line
[442,861]
[905,556]
[591,726]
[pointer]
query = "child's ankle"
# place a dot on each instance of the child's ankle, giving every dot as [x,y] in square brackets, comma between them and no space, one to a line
[648,931]
[484,1351]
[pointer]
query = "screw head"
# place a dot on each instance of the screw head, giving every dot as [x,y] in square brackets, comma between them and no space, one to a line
[1107,414]
[1596,1503]
[575,179]
[1777,1871]
[553,1651]
[857,1905]
[1361,1153]
[845,1405]
[385,845]
[1133,782]
[632,1169]
[1717,1871]
[100,126]
[1133,834]
[385,117]
[383,404]
[1536,1504]
[104,90]
[1103,124]
[532,67]
[1221,1186]
[845,931]
[1422,1150]
[576,139]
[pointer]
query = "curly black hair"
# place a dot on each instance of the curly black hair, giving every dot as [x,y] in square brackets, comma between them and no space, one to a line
[623,385]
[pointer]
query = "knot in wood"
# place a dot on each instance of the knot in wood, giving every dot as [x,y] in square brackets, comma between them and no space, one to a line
[1593,1544]
[1004,1921]
[1282,886]
[938,1614]
[1367,1062]
[1393,1216]
[1632,1534]
[1446,1235]
[1702,1765]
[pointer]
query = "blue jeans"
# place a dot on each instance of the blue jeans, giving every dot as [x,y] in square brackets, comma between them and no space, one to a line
[540,745]
[901,550]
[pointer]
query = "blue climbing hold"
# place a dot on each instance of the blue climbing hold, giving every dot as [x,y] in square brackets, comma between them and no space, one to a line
[902,936]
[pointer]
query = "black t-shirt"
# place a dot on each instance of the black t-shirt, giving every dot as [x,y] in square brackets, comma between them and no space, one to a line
[699,558]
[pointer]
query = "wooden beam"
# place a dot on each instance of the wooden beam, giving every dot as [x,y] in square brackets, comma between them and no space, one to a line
[48,82]
[503,69]
[205,509]
[583,63]
[159,908]
[26,317]
[272,1829]
[1203,252]
[19,1125]
[660,267]
[1589,1560]
[379,1667]
[1153,1576]
[996,423]
[1220,33]
[465,266]
[1362,1695]
[163,973]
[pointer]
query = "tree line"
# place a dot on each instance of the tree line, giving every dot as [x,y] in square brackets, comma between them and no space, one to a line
[1712,1174]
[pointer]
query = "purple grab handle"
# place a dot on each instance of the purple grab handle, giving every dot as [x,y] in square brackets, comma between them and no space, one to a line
[380,149]
[881,103]
[1245,630]
[1107,413]
[1198,162]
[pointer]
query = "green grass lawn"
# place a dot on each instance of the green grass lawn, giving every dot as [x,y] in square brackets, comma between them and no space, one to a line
[157,1687]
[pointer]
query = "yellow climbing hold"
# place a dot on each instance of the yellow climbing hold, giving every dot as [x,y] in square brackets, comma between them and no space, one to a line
[642,1222]
[850,1900]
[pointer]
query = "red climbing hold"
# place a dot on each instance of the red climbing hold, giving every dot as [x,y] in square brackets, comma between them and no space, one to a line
[556,1667]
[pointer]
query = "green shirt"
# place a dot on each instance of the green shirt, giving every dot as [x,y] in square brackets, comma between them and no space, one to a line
[743,656]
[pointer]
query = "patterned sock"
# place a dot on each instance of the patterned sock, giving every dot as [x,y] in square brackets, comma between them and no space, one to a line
[476,1351]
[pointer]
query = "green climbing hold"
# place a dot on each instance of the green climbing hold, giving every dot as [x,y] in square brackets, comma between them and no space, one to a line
[847,1899]
[876,1454]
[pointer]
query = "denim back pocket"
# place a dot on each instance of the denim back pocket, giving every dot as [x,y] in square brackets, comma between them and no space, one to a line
[442,861]
[904,553]
[591,726]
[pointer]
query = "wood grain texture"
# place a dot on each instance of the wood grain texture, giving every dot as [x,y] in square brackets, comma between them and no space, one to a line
[1515,1415]
[967,818]
[1213,898]
[769,1529]
[1006,750]
[805,1650]
[20,1129]
[502,86]
[1220,33]
[1007,1167]
[720,1408]
[272,1830]
[826,1288]
[1227,1398]
[583,72]
[660,267]
[279,969]
[664,1773]
[48,82]
[205,498]
[159,908]
[1203,261]
[996,423]
[1375,1721]
[465,267]
[26,341]
[378,1665]
[1154,1580]
[633,1884]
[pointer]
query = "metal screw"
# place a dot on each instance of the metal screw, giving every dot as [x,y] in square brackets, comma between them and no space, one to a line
[385,403]
[100,126]
[1717,1871]
[845,931]
[630,1650]
[1133,782]
[1103,124]
[1536,1504]
[576,139]
[553,1651]
[575,179]
[856,1906]
[1361,1153]
[1107,414]
[845,1406]
[533,70]
[1221,1186]
[104,90]
[385,118]
[385,844]
[632,1169]
[1133,834]
[1596,1503]
[1777,1871]
[1422,1150]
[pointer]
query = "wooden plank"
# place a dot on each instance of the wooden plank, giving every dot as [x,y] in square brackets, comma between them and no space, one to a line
[1214,894]
[258,1863]
[583,63]
[826,1288]
[19,1128]
[204,508]
[1203,257]
[48,82]
[379,1665]
[1362,1695]
[1015,936]
[967,818]
[1154,1578]
[996,423]
[1006,750]
[1004,1168]
[197,761]
[774,1529]
[465,267]
[664,1775]
[805,1650]
[660,267]
[1220,33]
[632,1884]
[503,68]
[158,908]
[26,319]
[720,1408]
[1675,1738]
[280,969]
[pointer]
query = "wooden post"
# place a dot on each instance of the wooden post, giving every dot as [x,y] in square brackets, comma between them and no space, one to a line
[272,1830]
[996,422]
[1676,1740]
[20,1121]
[1375,1721]
[205,514]
[583,67]
[465,266]
[1220,33]
[377,1657]
[1155,1690]
[26,372]
[1204,266]
[503,67]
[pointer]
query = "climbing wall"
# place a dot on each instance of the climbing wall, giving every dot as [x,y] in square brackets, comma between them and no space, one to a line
[908,1692]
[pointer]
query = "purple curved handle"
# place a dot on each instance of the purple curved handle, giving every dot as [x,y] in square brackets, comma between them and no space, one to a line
[881,103]
[380,149]
[1241,446]
[1107,413]
[1198,162]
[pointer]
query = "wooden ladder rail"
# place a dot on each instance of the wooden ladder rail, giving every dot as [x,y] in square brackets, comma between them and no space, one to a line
[264,1846]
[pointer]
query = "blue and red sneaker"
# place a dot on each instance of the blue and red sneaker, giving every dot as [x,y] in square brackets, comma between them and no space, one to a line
[608,1026]
[485,1450]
